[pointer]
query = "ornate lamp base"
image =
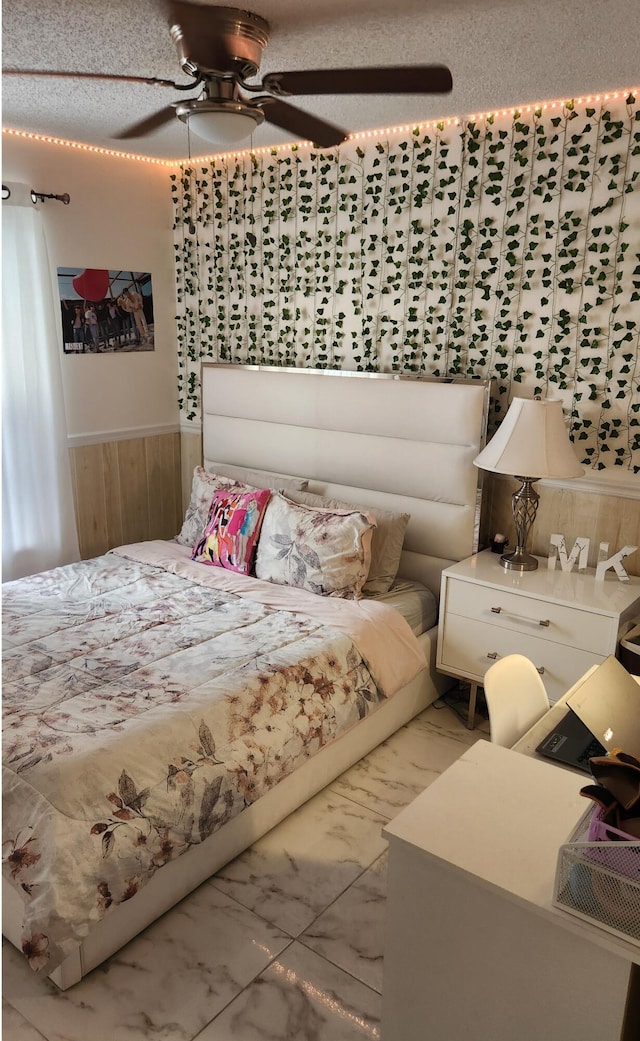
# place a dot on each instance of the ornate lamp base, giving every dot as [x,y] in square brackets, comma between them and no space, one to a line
[518,561]
[524,503]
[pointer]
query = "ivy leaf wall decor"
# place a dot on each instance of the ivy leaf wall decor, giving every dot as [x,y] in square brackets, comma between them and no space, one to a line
[504,247]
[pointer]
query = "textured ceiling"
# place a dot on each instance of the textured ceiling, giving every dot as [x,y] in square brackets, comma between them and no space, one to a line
[500,52]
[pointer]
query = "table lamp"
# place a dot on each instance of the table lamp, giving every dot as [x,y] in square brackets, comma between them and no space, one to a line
[530,443]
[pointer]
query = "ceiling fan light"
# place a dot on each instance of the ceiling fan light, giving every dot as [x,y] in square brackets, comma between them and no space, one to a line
[221,122]
[222,128]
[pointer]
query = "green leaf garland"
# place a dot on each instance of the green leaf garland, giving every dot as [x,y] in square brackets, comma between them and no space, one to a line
[504,247]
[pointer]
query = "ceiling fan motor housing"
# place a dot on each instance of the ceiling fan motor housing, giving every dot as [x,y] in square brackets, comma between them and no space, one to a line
[229,40]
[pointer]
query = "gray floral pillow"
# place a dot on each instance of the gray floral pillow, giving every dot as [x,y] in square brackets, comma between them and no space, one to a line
[203,485]
[327,552]
[387,542]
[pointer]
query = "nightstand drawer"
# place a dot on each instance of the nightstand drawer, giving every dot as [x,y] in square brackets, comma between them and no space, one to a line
[469,647]
[530,616]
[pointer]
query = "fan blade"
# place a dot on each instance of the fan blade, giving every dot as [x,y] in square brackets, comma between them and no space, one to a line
[145,126]
[412,79]
[300,123]
[151,80]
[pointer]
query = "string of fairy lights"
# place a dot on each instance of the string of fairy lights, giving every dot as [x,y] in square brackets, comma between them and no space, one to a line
[362,135]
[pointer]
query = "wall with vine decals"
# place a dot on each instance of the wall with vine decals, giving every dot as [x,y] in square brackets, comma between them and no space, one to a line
[499,247]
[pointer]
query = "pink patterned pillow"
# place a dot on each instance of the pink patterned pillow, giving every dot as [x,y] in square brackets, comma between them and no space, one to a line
[231,532]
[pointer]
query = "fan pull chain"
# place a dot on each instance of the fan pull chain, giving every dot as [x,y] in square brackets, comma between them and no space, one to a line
[192,227]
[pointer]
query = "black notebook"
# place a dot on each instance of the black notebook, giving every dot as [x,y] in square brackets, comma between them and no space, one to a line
[571,742]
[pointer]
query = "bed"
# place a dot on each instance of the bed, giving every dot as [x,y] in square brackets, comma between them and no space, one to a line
[161,715]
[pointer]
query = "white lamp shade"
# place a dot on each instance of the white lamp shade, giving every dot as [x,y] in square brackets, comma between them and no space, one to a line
[223,128]
[532,441]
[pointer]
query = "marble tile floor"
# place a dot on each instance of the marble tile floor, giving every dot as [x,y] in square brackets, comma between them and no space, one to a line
[283,944]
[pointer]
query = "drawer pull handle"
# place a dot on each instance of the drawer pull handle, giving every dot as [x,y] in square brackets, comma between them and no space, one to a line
[542,621]
[494,654]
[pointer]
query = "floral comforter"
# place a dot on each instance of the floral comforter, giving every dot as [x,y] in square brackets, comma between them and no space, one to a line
[148,700]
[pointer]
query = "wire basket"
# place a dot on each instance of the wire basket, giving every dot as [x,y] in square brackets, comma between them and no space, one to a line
[599,881]
[601,832]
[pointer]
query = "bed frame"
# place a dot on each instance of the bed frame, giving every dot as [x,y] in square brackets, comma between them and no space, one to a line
[397,442]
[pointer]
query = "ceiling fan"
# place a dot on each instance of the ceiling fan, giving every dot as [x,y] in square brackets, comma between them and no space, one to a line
[220,49]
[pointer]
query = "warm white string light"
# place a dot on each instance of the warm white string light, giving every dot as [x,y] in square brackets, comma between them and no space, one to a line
[360,135]
[95,149]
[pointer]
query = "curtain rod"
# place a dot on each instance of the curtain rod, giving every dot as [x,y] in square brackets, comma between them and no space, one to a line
[41,196]
[37,196]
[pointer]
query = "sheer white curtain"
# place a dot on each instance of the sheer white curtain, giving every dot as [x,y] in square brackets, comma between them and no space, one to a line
[38,522]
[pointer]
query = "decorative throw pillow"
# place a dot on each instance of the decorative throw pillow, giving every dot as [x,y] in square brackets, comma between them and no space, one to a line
[325,551]
[388,538]
[203,486]
[231,532]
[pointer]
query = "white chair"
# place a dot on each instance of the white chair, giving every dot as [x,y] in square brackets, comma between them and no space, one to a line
[516,698]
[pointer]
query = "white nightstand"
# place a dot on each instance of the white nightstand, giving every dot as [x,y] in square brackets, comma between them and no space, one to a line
[563,622]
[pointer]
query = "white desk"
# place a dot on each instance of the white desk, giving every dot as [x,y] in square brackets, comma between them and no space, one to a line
[474,949]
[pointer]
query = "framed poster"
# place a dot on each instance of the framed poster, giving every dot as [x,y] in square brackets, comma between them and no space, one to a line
[105,312]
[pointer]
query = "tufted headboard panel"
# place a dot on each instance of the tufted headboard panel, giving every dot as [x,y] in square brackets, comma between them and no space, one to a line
[398,442]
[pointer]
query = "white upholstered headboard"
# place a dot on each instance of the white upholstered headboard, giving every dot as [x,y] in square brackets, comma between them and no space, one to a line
[375,439]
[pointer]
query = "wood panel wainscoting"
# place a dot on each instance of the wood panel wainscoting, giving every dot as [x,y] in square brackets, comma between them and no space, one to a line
[126,491]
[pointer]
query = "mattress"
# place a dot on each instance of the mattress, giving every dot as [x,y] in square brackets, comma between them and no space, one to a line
[417,604]
[149,700]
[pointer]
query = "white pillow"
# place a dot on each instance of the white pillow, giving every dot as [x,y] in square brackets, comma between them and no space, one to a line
[260,478]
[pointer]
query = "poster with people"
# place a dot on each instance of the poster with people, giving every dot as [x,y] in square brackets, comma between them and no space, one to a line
[105,312]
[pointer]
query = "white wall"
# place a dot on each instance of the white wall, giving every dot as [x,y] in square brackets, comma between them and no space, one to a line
[119,217]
